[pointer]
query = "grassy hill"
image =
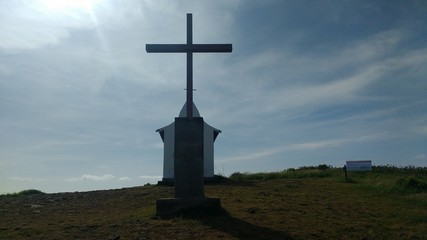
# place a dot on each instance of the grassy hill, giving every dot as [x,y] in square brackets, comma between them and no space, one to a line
[305,203]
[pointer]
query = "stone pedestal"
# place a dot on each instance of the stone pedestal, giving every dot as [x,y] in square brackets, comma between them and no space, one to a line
[189,157]
[188,165]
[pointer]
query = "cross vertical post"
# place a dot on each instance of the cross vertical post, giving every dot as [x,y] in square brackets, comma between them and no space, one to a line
[189,66]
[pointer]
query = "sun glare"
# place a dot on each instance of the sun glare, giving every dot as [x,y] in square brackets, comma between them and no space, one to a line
[68,5]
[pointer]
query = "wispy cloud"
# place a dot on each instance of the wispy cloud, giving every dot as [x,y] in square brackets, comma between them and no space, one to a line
[124,179]
[88,177]
[331,143]
[149,177]
[25,179]
[29,26]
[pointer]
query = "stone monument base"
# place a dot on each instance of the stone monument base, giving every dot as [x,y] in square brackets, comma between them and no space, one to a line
[187,206]
[166,182]
[171,181]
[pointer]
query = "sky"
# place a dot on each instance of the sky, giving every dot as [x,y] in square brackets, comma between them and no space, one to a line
[307,83]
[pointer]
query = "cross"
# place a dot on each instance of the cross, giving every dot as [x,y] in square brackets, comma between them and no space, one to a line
[188,48]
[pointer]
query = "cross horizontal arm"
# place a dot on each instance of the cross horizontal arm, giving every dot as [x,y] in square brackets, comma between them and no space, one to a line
[173,48]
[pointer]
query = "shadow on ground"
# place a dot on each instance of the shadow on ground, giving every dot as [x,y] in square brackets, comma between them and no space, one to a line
[241,229]
[221,220]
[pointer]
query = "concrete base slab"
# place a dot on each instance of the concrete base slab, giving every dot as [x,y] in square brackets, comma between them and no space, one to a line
[187,206]
[166,182]
[207,180]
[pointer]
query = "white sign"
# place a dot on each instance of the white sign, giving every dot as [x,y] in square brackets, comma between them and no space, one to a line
[363,165]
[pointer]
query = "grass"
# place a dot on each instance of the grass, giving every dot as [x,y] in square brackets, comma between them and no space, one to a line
[321,171]
[396,180]
[304,203]
[392,179]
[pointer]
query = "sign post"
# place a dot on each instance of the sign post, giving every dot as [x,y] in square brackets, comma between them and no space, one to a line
[357,166]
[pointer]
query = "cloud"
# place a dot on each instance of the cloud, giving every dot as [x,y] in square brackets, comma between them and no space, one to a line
[418,126]
[25,179]
[318,79]
[30,26]
[150,177]
[88,177]
[420,157]
[124,179]
[300,147]
[332,143]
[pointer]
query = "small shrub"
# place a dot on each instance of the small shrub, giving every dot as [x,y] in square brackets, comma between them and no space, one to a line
[306,168]
[30,192]
[323,167]
[408,185]
[237,176]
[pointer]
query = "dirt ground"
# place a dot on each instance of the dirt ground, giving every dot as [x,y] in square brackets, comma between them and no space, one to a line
[276,209]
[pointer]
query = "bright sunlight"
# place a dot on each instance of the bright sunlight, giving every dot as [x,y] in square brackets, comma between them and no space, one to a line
[68,5]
